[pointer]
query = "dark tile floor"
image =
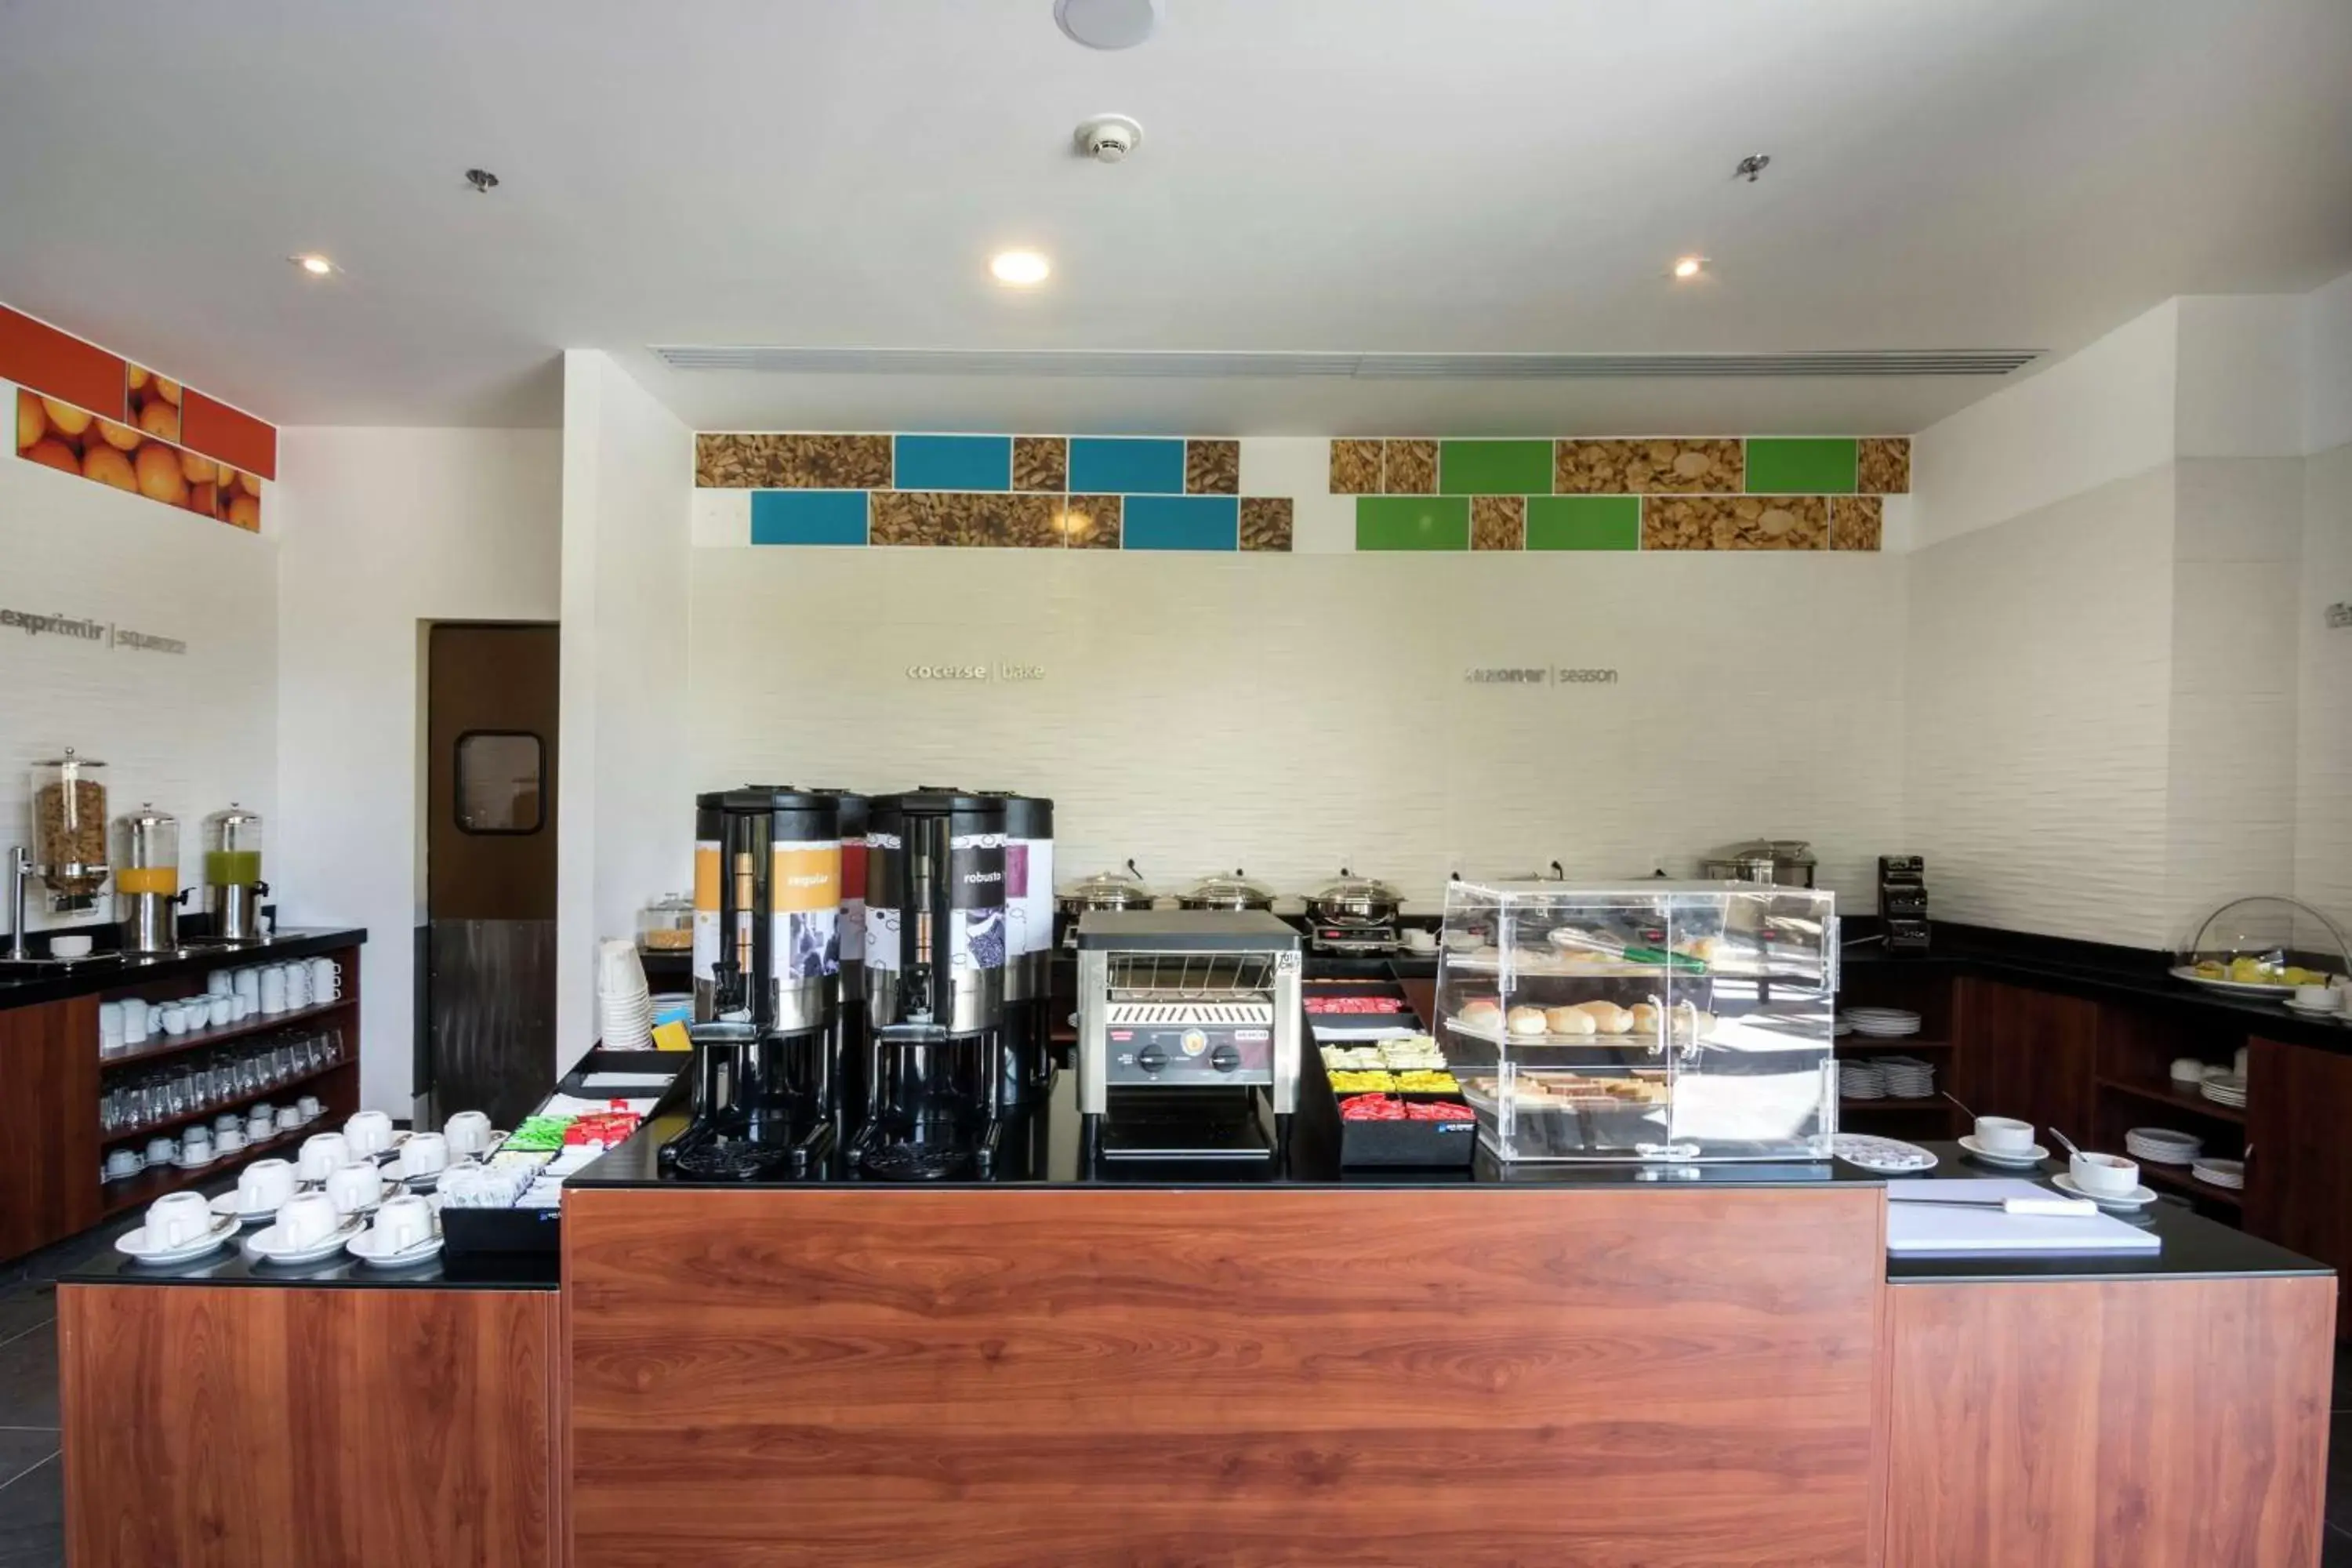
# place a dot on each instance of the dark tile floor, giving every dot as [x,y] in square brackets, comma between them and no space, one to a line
[32,1486]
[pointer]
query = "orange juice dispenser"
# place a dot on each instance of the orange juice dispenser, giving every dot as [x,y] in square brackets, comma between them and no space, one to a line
[233,886]
[147,892]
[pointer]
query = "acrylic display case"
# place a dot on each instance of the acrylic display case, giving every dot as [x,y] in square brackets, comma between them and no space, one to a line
[1656,1021]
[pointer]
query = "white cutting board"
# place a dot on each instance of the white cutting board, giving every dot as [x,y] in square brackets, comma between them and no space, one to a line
[1923,1219]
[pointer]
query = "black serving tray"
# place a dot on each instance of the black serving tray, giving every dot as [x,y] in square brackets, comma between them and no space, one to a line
[467,1232]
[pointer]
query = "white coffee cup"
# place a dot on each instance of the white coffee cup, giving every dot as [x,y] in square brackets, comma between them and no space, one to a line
[307,1219]
[1421,939]
[326,980]
[263,1184]
[221,1012]
[220,982]
[355,1186]
[2109,1175]
[247,982]
[468,1132]
[161,1150]
[273,990]
[246,1007]
[288,1118]
[2316,996]
[323,1154]
[309,1106]
[173,1017]
[403,1222]
[227,1119]
[261,1127]
[176,1219]
[2004,1135]
[123,1162]
[298,986]
[424,1155]
[232,1140]
[197,1144]
[134,1020]
[109,1020]
[370,1132]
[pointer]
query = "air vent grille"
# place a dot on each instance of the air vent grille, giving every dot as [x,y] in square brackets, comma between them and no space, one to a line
[1177,364]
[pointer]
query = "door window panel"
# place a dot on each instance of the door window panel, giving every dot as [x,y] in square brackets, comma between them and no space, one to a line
[500,777]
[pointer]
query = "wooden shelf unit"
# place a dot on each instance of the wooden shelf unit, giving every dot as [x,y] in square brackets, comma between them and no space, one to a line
[157,1048]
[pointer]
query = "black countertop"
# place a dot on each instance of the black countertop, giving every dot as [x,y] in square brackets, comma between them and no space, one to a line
[230,1266]
[2194,1247]
[99,972]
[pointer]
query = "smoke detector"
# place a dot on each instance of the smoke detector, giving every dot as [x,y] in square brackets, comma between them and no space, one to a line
[1107,138]
[1108,24]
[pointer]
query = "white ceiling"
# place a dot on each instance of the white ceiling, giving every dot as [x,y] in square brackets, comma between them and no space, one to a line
[1497,175]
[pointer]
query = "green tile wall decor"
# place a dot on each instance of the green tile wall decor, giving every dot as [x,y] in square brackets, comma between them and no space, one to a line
[1412,522]
[1041,463]
[1409,468]
[1584,522]
[1212,468]
[808,517]
[1493,468]
[1679,465]
[1498,523]
[1355,468]
[1856,523]
[764,461]
[1801,466]
[1882,466]
[1266,523]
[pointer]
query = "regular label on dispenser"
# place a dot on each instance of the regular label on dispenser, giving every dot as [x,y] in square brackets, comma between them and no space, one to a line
[1028,895]
[853,901]
[976,900]
[804,908]
[706,907]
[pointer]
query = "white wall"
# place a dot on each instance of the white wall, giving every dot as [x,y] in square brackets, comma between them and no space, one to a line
[628,479]
[2324,744]
[190,731]
[383,531]
[1288,714]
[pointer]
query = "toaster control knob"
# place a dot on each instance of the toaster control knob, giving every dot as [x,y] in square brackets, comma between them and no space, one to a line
[1226,1059]
[1151,1058]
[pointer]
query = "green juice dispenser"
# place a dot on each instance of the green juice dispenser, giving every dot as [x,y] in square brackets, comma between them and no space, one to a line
[233,886]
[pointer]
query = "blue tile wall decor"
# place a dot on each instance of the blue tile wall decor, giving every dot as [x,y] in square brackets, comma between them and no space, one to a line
[808,517]
[1125,466]
[1181,522]
[953,463]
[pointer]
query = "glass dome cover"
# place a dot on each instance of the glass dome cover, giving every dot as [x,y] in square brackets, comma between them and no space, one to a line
[1219,891]
[2265,943]
[1112,889]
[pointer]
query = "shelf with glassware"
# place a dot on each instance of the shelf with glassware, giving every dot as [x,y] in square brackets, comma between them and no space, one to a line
[1657,1021]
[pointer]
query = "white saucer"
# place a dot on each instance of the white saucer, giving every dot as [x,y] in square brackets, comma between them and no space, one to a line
[361,1247]
[226,1204]
[263,1243]
[2293,1006]
[184,1163]
[133,1244]
[2138,1198]
[2019,1157]
[422,1184]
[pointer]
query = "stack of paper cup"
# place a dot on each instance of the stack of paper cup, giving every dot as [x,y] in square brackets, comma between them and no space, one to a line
[625,1005]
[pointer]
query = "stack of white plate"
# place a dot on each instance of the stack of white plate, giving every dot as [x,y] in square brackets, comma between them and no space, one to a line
[1861,1080]
[2230,1173]
[2223,1087]
[1881,1022]
[2162,1146]
[1907,1078]
[624,1004]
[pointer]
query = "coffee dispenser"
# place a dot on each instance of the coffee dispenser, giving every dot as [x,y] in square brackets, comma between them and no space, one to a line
[233,886]
[1028,948]
[147,891]
[767,959]
[935,956]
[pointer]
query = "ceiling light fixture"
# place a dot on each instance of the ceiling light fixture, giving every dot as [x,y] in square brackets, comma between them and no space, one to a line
[1690,266]
[1108,24]
[482,180]
[1752,165]
[1020,268]
[311,262]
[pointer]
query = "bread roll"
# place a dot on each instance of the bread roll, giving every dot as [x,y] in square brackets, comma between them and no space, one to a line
[1480,1015]
[1569,1021]
[1646,1017]
[1607,1017]
[1527,1021]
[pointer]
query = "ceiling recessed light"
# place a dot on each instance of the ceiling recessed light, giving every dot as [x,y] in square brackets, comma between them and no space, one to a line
[311,262]
[1690,266]
[1108,24]
[1020,268]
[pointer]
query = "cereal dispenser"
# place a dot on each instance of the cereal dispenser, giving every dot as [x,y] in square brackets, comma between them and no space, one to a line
[233,886]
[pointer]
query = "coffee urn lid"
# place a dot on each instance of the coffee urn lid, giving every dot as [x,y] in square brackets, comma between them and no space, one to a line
[853,809]
[886,812]
[811,816]
[1025,816]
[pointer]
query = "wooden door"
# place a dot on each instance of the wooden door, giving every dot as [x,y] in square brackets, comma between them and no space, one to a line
[2025,1053]
[2299,1163]
[490,734]
[49,1123]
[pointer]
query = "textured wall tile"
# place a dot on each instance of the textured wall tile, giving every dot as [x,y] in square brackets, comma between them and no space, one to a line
[1127,466]
[951,463]
[1041,463]
[1653,466]
[1409,468]
[1498,523]
[1356,467]
[1803,465]
[1584,522]
[1266,523]
[1088,523]
[750,461]
[1856,523]
[1180,522]
[1412,522]
[808,517]
[1734,522]
[1493,468]
[721,517]
[1882,466]
[949,518]
[1212,468]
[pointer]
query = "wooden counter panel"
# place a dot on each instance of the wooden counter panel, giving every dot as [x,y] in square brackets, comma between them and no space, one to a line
[1098,1377]
[2142,1424]
[48,1124]
[306,1429]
